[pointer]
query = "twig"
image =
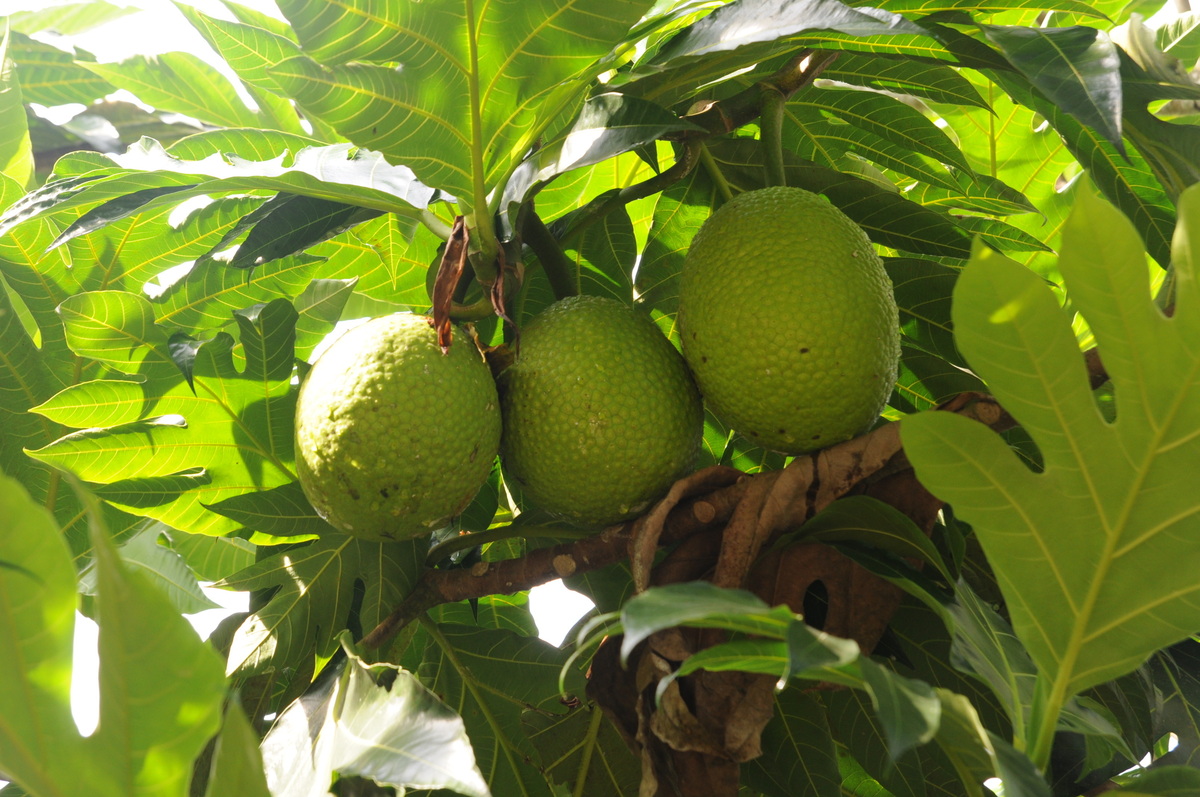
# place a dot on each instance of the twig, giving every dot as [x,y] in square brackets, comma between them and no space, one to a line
[555,263]
[690,517]
[719,118]
[685,161]
[436,587]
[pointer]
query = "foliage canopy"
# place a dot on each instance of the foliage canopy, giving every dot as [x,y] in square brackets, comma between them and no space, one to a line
[931,608]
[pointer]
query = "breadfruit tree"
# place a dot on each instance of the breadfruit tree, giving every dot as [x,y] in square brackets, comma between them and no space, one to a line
[885,488]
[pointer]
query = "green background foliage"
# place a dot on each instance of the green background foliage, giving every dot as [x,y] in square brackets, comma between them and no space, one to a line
[170,269]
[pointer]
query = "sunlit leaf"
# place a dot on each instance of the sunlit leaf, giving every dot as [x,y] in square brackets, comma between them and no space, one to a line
[316,585]
[485,81]
[180,82]
[1086,614]
[16,153]
[161,566]
[234,424]
[1076,69]
[250,51]
[51,76]
[237,766]
[39,746]
[376,721]
[154,725]
[337,173]
[934,82]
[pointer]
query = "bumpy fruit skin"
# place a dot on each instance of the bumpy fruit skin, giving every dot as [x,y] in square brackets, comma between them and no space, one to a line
[788,320]
[393,438]
[600,413]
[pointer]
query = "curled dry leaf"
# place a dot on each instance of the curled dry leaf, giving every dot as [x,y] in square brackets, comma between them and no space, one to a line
[648,529]
[454,260]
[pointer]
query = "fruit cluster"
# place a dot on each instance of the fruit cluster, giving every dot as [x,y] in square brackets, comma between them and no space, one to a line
[789,330]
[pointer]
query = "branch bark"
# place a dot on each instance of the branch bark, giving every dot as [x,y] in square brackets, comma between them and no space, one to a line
[687,517]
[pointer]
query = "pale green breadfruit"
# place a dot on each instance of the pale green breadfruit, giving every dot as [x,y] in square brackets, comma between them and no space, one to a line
[788,321]
[600,413]
[393,437]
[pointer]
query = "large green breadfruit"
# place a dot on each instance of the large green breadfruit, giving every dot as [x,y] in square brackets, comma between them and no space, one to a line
[788,321]
[600,413]
[393,437]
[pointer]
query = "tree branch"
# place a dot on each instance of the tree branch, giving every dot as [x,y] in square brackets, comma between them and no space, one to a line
[688,517]
[716,118]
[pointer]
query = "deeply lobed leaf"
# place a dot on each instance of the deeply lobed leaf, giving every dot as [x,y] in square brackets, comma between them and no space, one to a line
[1072,545]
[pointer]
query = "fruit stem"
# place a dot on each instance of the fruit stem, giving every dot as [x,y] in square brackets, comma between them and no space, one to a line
[475,311]
[774,105]
[685,161]
[558,267]
[714,171]
[438,227]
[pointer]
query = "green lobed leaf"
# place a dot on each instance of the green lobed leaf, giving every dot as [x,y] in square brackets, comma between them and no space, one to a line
[1170,151]
[180,82]
[679,212]
[1165,782]
[926,380]
[818,132]
[1176,680]
[39,746]
[1070,545]
[68,19]
[1001,236]
[485,81]
[862,519]
[1180,36]
[50,76]
[154,725]
[922,289]
[603,255]
[933,82]
[889,119]
[158,564]
[976,192]
[700,604]
[249,15]
[287,225]
[376,721]
[888,218]
[250,51]
[237,765]
[335,173]
[316,584]
[1020,159]
[855,726]
[493,679]
[1076,69]
[283,512]
[978,754]
[799,758]
[243,418]
[752,22]
[582,746]
[908,709]
[607,125]
[16,152]
[212,558]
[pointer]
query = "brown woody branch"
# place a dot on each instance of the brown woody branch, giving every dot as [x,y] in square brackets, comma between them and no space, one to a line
[685,517]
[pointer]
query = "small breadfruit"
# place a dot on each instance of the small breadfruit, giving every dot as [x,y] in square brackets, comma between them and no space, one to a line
[600,413]
[393,437]
[788,320]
